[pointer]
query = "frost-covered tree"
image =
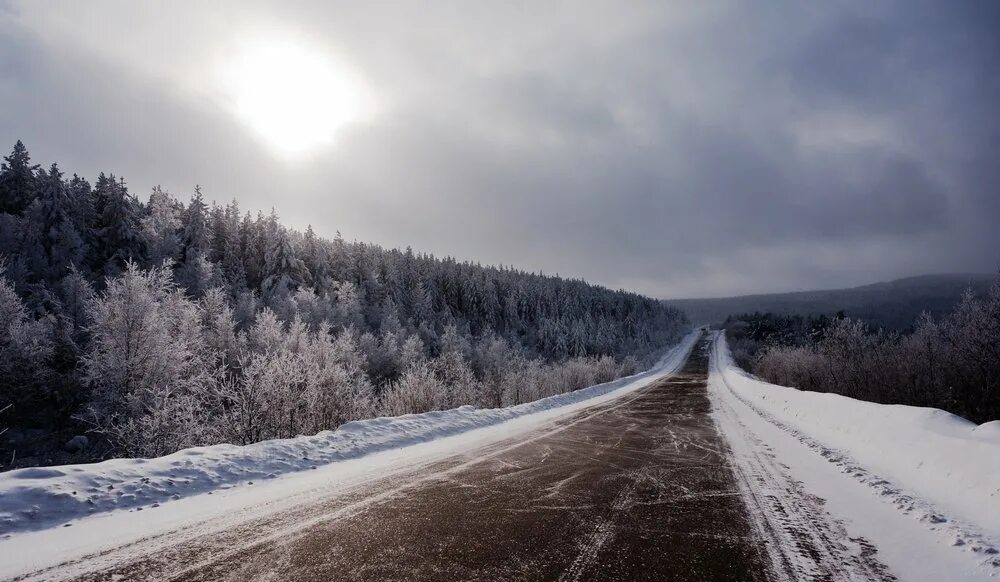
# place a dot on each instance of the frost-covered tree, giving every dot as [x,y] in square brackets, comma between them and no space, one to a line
[148,363]
[219,327]
[418,390]
[972,335]
[347,307]
[26,346]
[161,226]
[337,388]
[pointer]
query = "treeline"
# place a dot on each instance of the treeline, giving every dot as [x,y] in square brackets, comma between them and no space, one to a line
[159,325]
[952,363]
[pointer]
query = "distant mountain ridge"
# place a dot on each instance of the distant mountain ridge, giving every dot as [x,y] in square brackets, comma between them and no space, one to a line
[892,304]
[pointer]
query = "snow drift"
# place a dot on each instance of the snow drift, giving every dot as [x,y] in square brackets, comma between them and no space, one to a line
[37,498]
[940,458]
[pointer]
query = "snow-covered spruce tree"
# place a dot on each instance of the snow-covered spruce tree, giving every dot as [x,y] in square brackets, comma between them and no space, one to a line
[117,237]
[195,234]
[196,272]
[160,228]
[348,311]
[315,259]
[460,384]
[233,250]
[57,242]
[283,271]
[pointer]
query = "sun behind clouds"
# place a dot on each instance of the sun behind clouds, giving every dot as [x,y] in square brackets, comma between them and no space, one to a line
[296,98]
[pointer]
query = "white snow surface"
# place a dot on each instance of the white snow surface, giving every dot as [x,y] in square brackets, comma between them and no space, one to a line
[45,497]
[922,484]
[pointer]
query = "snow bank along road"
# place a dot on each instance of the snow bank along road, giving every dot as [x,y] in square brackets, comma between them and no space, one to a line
[691,475]
[835,483]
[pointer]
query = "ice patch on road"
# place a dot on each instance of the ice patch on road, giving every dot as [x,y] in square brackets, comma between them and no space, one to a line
[38,498]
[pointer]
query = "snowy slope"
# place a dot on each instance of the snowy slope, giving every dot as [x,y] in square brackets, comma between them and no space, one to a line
[921,484]
[38,498]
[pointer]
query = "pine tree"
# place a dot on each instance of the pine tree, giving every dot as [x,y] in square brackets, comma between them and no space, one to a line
[194,240]
[232,252]
[117,232]
[253,248]
[314,258]
[196,272]
[60,240]
[17,180]
[82,201]
[283,270]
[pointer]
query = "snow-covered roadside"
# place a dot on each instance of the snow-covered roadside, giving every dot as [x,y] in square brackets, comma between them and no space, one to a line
[38,498]
[921,485]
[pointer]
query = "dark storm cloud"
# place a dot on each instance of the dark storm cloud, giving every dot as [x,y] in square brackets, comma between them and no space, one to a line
[688,149]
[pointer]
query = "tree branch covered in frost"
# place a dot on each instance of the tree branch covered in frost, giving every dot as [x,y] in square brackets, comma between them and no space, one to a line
[162,325]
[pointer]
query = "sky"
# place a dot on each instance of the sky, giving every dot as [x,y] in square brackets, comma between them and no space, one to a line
[686,149]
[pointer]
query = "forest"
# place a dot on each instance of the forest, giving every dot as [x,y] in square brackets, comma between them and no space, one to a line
[951,362]
[140,327]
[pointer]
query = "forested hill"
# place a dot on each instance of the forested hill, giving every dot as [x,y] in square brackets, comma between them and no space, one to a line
[892,305]
[221,291]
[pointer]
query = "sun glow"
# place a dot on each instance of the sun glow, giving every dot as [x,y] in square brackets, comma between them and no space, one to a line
[294,97]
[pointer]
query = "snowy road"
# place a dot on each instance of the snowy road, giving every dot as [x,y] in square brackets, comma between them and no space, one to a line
[678,478]
[634,487]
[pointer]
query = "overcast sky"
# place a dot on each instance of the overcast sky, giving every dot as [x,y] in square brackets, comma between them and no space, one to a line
[688,149]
